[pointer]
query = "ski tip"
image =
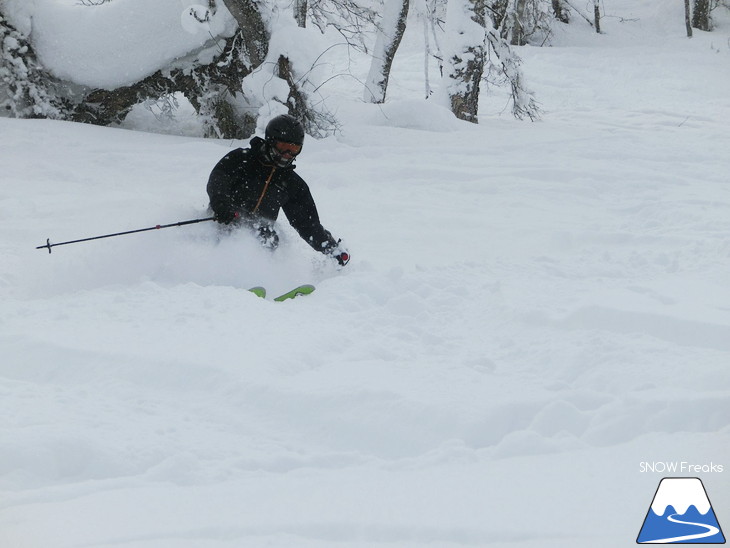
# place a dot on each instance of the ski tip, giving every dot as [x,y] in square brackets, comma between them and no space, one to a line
[305,289]
[258,291]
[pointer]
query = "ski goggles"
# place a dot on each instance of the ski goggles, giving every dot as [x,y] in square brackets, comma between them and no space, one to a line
[287,149]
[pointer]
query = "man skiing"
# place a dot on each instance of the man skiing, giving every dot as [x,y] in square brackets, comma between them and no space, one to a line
[248,187]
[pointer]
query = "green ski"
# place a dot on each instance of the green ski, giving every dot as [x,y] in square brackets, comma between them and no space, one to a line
[258,291]
[305,289]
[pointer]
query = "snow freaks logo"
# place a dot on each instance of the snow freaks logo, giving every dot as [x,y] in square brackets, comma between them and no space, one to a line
[680,513]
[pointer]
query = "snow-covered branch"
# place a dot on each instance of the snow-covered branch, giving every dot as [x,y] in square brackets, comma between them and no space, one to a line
[523,102]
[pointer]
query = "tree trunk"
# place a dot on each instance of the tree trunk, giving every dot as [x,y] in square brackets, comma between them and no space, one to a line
[518,16]
[253,30]
[687,18]
[561,14]
[597,15]
[465,28]
[296,101]
[701,17]
[300,12]
[390,32]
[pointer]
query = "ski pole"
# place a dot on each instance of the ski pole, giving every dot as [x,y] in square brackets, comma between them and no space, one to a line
[49,245]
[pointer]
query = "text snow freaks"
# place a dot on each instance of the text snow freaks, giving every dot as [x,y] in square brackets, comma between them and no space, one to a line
[680,467]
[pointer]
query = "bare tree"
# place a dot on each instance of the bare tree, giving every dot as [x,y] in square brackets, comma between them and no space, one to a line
[516,22]
[597,15]
[521,21]
[687,18]
[351,19]
[523,102]
[389,34]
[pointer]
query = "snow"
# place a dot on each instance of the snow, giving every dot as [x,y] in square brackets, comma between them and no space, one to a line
[680,493]
[532,310]
[116,43]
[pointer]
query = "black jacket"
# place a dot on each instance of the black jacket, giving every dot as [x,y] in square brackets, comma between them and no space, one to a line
[243,178]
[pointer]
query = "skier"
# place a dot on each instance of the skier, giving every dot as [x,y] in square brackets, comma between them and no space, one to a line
[247,187]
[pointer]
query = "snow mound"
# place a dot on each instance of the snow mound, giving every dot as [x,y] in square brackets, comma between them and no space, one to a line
[116,43]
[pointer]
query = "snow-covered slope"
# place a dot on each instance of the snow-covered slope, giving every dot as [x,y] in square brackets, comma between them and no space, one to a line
[532,310]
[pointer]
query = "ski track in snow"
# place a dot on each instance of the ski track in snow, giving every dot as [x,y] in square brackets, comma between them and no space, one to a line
[531,310]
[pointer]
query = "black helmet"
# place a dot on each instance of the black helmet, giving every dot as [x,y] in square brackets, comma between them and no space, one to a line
[285,128]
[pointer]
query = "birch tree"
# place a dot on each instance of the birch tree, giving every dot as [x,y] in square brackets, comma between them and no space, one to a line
[353,19]
[432,16]
[388,37]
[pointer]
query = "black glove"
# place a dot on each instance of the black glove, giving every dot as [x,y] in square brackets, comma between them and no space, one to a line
[268,237]
[339,253]
[343,258]
[226,217]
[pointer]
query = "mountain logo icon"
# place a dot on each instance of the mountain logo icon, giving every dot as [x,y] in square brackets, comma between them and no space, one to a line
[681,513]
